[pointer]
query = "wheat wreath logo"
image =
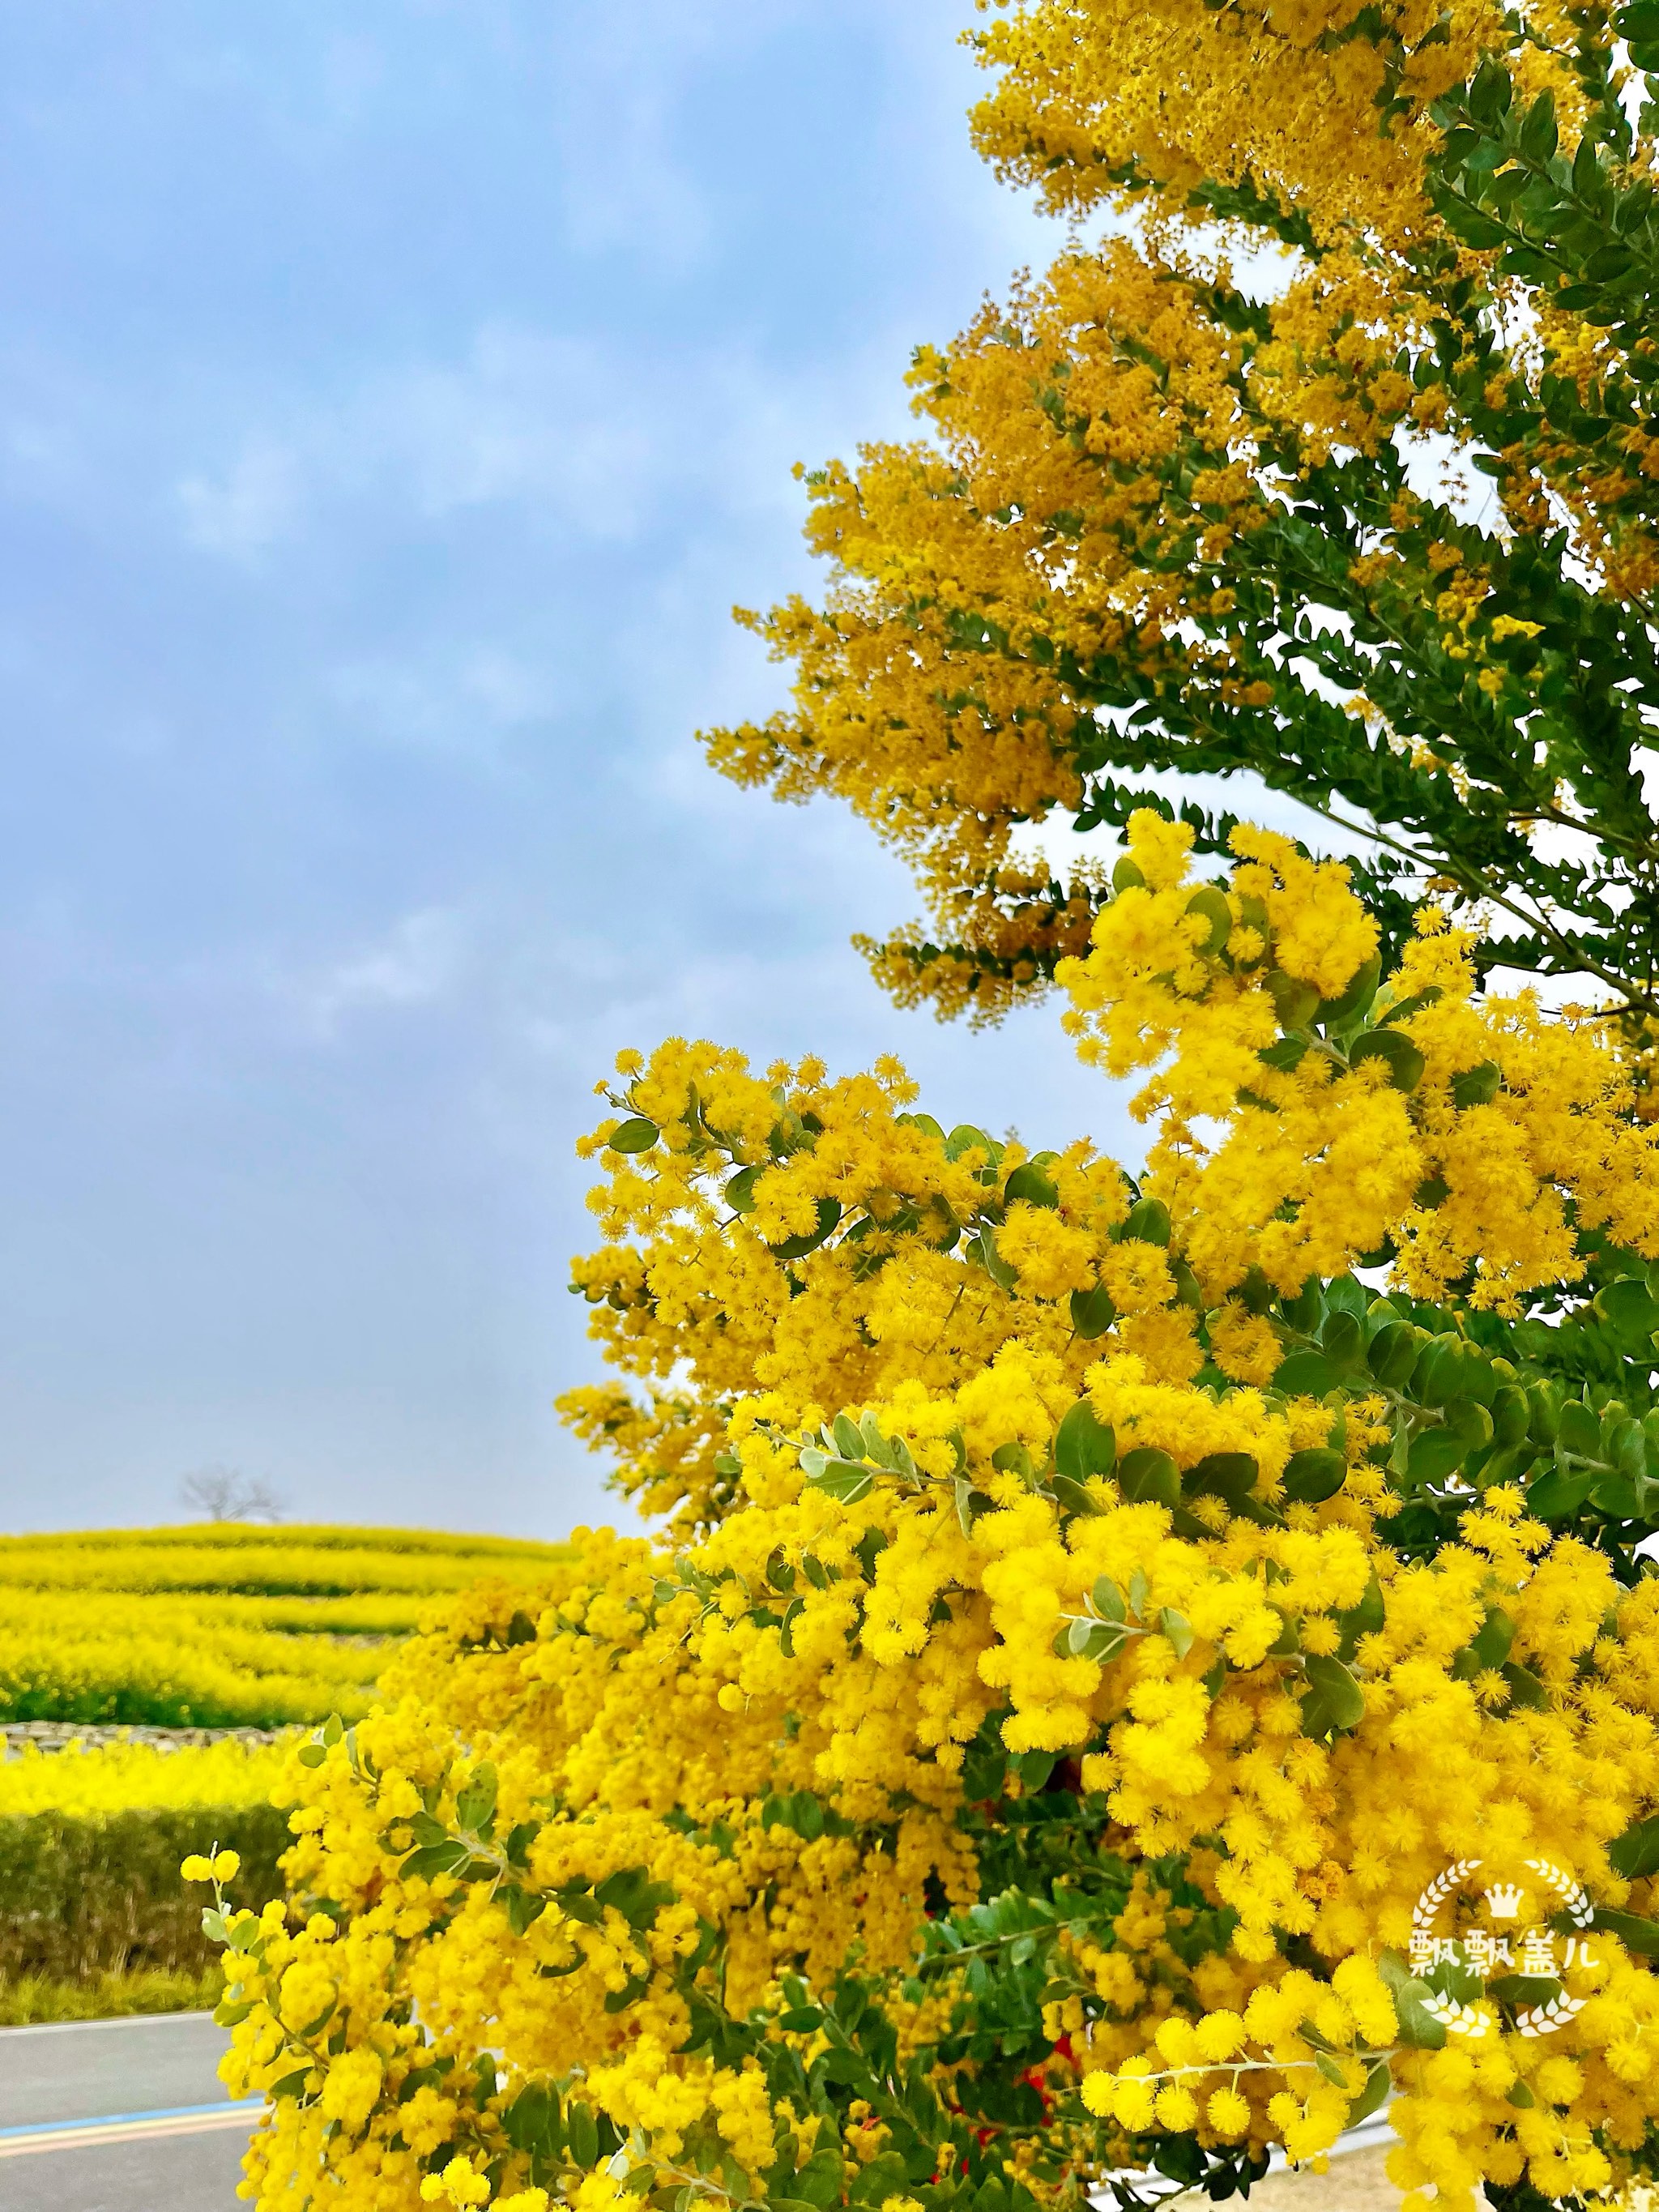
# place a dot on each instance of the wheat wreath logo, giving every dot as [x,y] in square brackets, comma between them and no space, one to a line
[1498,1957]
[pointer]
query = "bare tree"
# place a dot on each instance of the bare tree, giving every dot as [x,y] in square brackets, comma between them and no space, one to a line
[222,1494]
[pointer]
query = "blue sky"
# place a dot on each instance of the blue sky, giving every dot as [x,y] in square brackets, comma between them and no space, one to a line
[393,399]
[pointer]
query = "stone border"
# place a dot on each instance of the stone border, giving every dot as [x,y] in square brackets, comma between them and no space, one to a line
[15,1737]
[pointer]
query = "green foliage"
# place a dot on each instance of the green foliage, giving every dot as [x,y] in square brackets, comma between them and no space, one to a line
[101,1895]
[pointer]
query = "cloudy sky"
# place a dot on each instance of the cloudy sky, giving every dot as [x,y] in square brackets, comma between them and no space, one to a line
[394,397]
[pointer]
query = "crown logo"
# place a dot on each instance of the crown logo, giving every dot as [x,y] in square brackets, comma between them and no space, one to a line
[1502,1900]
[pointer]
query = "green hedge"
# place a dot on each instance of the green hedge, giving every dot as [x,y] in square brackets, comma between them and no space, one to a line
[86,1895]
[35,1997]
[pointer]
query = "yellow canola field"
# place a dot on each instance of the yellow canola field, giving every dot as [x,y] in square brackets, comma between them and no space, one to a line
[224,1625]
[115,1777]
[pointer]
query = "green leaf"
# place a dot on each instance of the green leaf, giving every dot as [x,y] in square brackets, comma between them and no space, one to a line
[1373,2096]
[1071,1496]
[1357,997]
[1403,1009]
[1635,1853]
[523,1907]
[1468,1419]
[849,1438]
[1210,906]
[1307,1375]
[432,1860]
[1107,1599]
[1231,1475]
[532,2121]
[1489,94]
[1099,1640]
[1509,1413]
[1441,1372]
[1525,1688]
[1290,1052]
[1417,2024]
[1295,1003]
[964,1137]
[797,1247]
[1312,1476]
[1538,132]
[474,1807]
[1477,1086]
[1558,1495]
[1578,1431]
[1148,1476]
[1489,1648]
[983,1248]
[581,2134]
[1434,1453]
[1092,1312]
[1083,1444]
[1401,1058]
[1177,1630]
[1393,1353]
[1148,1222]
[1028,1181]
[635,1135]
[847,1484]
[1630,1310]
[819,2181]
[740,1191]
[1337,1691]
[1362,1620]
[312,1754]
[1635,1934]
[970,1503]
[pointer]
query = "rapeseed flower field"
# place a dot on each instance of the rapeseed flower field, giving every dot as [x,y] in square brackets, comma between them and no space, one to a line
[208,1627]
[223,1626]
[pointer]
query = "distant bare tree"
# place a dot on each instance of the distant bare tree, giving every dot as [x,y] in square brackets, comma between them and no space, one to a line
[222,1494]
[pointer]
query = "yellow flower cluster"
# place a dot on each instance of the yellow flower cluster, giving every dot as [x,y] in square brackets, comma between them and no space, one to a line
[1105,439]
[1182,95]
[1472,1132]
[968,1511]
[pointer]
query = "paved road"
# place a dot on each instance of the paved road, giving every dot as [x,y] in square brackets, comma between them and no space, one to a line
[128,2074]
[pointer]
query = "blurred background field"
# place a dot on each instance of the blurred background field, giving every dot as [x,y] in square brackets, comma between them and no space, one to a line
[97,1919]
[223,1625]
[171,1633]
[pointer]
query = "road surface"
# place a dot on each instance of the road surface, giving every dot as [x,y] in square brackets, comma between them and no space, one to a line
[119,2116]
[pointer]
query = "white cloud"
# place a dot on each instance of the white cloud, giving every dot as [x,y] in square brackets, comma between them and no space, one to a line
[523,417]
[247,507]
[415,962]
[448,702]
